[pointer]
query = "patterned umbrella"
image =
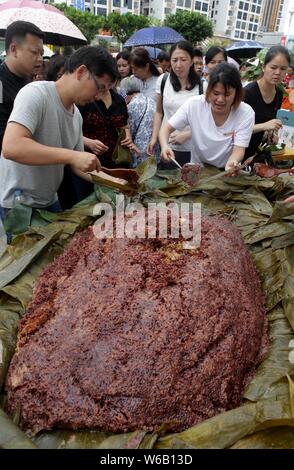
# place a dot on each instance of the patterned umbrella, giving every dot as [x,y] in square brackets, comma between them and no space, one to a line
[58,29]
[153,36]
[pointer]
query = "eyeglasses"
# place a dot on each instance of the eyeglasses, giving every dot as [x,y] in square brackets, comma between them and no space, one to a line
[100,87]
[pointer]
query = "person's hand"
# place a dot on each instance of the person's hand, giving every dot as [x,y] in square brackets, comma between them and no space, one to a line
[96,146]
[151,146]
[233,165]
[127,142]
[273,125]
[85,162]
[178,138]
[167,154]
[133,148]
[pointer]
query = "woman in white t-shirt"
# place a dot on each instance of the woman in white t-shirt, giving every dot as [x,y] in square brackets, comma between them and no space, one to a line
[221,124]
[181,84]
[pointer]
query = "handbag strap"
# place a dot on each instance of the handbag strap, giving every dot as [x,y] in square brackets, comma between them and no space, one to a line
[137,128]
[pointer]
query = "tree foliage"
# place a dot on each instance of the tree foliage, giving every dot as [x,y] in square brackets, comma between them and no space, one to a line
[193,26]
[87,23]
[123,26]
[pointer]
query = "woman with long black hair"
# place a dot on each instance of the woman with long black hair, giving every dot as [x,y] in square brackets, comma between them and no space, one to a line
[173,90]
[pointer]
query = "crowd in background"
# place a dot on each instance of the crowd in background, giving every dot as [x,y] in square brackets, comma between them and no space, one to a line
[183,106]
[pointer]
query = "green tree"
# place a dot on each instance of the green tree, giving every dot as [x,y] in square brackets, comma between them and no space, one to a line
[87,23]
[193,26]
[123,26]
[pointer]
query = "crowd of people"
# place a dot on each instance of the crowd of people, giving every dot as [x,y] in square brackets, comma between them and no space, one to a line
[63,121]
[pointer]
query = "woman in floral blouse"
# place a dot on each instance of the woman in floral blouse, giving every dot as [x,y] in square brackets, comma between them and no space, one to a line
[141,111]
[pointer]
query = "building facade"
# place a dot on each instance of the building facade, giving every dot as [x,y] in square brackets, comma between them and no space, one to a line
[160,8]
[273,16]
[236,19]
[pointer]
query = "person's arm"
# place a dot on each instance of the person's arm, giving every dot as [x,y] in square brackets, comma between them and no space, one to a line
[178,121]
[128,140]
[272,125]
[235,158]
[156,125]
[19,146]
[180,137]
[166,151]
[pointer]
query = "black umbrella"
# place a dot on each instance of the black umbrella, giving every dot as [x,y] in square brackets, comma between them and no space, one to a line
[244,49]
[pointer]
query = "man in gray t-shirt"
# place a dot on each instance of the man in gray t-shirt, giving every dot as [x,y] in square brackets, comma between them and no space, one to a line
[44,131]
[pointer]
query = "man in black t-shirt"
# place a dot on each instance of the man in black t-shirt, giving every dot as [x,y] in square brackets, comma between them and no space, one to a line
[24,58]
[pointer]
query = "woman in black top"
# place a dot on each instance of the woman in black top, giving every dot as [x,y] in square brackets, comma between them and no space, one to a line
[265,98]
[102,119]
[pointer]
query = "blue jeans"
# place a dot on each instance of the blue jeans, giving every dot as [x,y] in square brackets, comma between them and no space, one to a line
[55,207]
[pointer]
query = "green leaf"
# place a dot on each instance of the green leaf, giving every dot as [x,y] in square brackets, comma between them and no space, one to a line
[11,437]
[146,169]
[18,266]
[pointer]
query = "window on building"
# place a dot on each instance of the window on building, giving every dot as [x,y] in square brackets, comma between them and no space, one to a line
[230,13]
[250,27]
[101,11]
[241,5]
[243,25]
[188,3]
[212,6]
[180,3]
[198,6]
[102,2]
[258,10]
[238,24]
[255,27]
[130,4]
[167,11]
[244,16]
[239,15]
[205,7]
[116,3]
[249,36]
[237,34]
[246,6]
[253,8]
[242,35]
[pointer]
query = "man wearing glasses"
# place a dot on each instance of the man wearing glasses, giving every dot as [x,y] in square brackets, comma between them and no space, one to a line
[44,131]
